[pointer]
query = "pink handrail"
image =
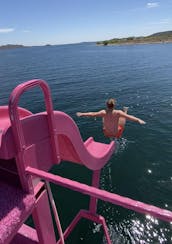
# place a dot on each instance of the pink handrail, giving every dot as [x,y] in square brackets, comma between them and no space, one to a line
[17,128]
[125,202]
[14,116]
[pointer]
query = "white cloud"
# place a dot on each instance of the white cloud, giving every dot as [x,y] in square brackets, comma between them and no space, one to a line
[6,30]
[165,21]
[161,22]
[152,5]
[26,31]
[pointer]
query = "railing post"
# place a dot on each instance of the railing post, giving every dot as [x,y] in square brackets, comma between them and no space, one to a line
[95,183]
[43,220]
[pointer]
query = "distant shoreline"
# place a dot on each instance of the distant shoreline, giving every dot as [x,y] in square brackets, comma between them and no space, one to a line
[160,37]
[11,46]
[134,43]
[156,38]
[7,47]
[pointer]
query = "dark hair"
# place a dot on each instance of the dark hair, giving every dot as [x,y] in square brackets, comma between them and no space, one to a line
[110,103]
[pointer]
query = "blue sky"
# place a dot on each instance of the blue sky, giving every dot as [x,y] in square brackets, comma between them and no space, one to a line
[40,22]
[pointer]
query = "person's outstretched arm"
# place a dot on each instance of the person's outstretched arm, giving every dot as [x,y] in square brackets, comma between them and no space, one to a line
[91,114]
[132,118]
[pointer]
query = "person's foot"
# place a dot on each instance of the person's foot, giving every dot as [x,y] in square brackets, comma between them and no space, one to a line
[125,109]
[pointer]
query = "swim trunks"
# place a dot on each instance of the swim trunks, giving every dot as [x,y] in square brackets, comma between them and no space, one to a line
[118,134]
[120,131]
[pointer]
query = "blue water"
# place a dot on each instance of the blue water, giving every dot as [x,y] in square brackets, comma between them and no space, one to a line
[81,78]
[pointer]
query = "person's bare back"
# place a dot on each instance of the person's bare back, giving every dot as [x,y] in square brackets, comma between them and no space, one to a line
[110,122]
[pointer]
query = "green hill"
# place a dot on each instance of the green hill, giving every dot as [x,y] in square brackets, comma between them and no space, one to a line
[160,37]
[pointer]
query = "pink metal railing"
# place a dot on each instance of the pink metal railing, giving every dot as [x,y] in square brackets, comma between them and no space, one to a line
[125,202]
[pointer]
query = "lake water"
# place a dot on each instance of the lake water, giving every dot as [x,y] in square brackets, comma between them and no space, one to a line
[81,78]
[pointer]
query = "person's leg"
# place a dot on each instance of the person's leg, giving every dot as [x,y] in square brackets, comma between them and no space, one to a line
[121,124]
